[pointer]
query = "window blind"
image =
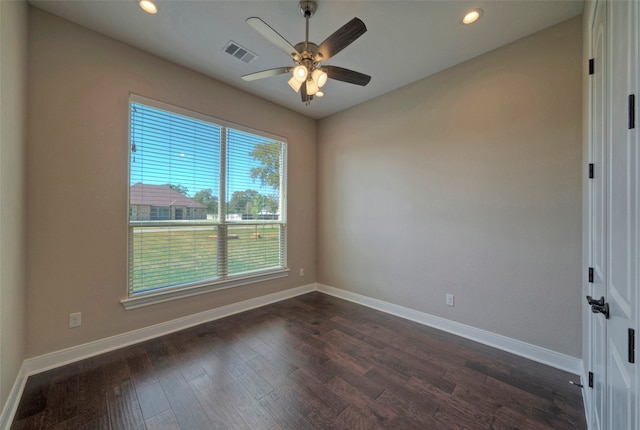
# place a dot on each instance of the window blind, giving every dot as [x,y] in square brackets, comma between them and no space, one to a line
[206,200]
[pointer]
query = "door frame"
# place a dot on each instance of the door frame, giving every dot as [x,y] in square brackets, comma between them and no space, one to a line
[587,114]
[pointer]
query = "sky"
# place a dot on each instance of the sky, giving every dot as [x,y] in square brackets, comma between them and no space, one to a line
[167,148]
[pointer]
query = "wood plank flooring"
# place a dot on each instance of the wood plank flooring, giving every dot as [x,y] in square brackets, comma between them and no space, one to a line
[312,362]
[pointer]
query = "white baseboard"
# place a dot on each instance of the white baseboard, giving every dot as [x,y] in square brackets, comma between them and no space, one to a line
[55,359]
[11,405]
[523,349]
[32,366]
[80,352]
[542,355]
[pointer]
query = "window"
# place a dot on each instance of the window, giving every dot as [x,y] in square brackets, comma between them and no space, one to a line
[159,213]
[207,203]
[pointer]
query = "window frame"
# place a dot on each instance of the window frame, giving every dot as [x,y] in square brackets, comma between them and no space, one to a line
[132,301]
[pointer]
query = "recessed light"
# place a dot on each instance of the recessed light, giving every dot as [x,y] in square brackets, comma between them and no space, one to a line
[472,16]
[148,6]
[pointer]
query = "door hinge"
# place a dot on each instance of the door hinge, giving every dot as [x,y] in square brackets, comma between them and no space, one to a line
[632,345]
[592,66]
[632,111]
[591,275]
[591,379]
[591,169]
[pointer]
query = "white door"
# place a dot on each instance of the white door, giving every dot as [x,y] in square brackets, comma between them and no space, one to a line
[614,215]
[598,217]
[622,216]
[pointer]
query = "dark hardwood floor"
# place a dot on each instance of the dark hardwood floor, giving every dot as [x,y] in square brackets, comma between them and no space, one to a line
[312,362]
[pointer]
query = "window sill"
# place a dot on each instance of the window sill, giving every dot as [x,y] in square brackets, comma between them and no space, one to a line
[175,294]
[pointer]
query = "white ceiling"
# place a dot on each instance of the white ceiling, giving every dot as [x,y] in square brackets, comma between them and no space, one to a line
[406,40]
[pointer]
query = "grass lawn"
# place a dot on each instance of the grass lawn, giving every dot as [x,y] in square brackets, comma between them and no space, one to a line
[164,256]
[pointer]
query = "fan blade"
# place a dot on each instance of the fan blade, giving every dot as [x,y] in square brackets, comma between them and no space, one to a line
[274,37]
[346,75]
[266,73]
[339,40]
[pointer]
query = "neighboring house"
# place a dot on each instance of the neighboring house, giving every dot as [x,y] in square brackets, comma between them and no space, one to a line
[161,202]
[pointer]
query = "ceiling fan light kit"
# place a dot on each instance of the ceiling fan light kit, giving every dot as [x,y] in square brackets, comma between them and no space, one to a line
[320,77]
[308,76]
[300,73]
[295,83]
[312,87]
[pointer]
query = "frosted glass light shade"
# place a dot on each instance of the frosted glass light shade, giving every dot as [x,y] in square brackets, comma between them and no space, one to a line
[300,73]
[312,87]
[319,77]
[295,84]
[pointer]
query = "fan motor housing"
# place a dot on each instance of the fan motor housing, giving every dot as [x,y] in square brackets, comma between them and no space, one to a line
[306,47]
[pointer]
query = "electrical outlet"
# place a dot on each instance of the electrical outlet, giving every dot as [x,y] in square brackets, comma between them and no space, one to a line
[302,271]
[75,319]
[449,300]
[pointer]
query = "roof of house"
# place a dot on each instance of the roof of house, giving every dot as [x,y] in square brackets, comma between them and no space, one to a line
[160,195]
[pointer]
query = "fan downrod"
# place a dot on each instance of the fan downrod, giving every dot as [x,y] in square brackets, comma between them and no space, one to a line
[308,8]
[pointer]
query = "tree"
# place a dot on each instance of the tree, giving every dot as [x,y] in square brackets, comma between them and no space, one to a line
[179,188]
[242,202]
[271,204]
[207,198]
[257,204]
[269,155]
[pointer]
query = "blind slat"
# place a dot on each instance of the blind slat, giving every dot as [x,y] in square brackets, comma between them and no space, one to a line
[175,174]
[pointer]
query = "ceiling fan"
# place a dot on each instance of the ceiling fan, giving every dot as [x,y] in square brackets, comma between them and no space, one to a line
[308,75]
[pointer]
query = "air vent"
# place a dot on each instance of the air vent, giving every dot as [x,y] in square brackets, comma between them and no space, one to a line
[240,52]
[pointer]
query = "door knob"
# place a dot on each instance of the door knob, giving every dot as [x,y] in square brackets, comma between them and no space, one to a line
[599,306]
[592,302]
[604,309]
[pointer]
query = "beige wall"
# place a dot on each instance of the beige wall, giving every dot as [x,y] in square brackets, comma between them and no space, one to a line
[79,83]
[467,182]
[13,67]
